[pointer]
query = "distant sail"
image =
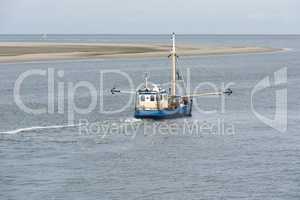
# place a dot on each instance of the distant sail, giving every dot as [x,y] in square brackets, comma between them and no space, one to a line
[45,36]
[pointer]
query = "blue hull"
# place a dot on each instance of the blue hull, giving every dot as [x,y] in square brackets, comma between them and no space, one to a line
[185,111]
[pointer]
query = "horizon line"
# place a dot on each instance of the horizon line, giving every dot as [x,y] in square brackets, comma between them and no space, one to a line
[246,34]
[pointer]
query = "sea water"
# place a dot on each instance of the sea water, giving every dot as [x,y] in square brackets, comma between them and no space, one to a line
[105,155]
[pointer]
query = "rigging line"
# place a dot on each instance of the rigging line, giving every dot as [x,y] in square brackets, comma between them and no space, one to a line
[181,74]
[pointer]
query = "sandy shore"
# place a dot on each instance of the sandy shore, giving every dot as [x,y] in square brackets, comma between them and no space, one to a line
[22,52]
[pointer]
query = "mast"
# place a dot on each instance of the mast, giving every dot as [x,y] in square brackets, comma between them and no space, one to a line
[173,54]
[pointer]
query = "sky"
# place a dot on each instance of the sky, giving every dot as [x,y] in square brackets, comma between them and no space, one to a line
[149,16]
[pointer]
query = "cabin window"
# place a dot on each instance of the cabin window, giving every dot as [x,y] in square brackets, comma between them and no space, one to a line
[142,97]
[152,98]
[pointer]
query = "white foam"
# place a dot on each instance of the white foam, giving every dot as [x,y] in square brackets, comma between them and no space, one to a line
[34,128]
[132,120]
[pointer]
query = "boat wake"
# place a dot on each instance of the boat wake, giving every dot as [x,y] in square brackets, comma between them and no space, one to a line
[132,120]
[35,128]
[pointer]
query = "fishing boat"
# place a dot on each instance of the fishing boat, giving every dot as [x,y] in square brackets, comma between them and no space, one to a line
[154,102]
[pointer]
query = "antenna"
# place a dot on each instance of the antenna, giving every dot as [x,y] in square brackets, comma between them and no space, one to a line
[146,80]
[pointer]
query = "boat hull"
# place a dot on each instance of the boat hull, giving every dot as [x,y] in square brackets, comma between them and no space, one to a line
[184,111]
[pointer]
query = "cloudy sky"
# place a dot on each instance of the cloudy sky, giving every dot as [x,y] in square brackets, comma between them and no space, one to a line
[150,16]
